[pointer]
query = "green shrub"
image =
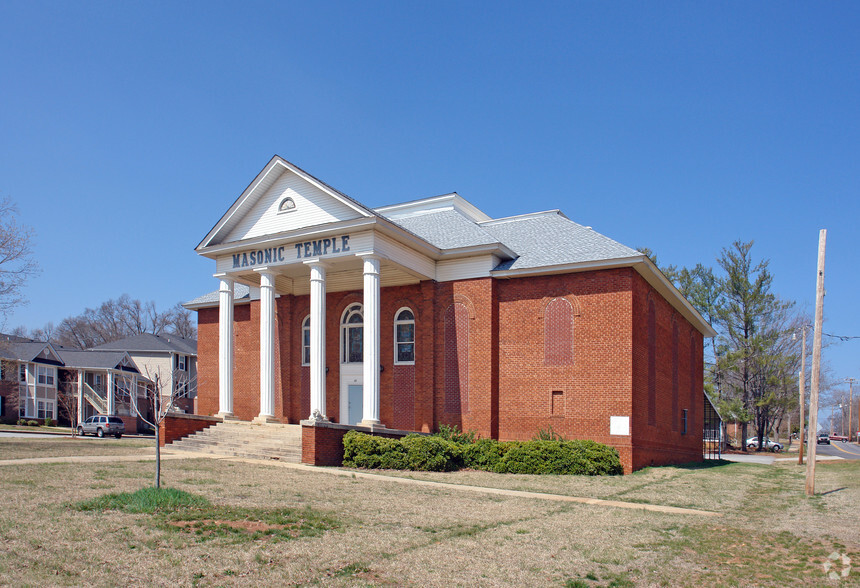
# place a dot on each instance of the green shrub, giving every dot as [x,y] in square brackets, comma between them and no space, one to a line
[547,434]
[453,433]
[21,423]
[49,422]
[32,423]
[432,453]
[436,453]
[361,450]
[561,457]
[485,454]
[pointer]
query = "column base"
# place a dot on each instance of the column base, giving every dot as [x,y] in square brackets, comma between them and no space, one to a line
[264,419]
[226,416]
[372,423]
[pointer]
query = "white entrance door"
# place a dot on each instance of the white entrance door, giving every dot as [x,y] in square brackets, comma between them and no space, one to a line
[351,366]
[351,394]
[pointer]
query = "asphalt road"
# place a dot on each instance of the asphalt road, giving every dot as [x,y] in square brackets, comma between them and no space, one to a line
[840,449]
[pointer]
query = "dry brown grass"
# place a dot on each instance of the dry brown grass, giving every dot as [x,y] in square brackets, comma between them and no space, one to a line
[399,535]
[26,447]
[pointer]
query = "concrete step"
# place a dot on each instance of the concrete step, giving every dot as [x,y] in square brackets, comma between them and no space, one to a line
[246,440]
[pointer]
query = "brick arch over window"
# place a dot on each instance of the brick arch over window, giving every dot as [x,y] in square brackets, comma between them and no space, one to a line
[652,364]
[558,320]
[456,324]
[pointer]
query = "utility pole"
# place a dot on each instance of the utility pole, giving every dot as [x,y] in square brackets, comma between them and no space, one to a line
[816,366]
[802,386]
[850,407]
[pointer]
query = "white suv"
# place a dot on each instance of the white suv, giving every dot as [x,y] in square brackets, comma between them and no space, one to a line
[101,425]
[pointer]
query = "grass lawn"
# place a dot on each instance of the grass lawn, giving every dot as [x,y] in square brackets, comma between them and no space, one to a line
[24,447]
[235,523]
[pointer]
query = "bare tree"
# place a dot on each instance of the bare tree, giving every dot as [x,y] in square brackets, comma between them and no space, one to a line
[160,399]
[67,399]
[17,263]
[120,318]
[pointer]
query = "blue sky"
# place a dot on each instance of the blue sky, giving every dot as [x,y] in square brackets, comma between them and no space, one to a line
[127,129]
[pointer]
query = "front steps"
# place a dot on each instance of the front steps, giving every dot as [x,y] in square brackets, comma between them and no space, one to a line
[247,440]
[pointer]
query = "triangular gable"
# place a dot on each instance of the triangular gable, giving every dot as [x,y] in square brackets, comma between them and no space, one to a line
[282,197]
[48,355]
[126,363]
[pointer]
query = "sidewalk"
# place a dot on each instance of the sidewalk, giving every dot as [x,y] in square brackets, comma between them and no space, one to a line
[170,455]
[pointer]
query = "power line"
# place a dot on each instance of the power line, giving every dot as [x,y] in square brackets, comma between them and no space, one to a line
[842,337]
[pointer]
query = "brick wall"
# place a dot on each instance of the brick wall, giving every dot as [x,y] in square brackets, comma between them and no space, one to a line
[563,351]
[175,427]
[539,386]
[674,387]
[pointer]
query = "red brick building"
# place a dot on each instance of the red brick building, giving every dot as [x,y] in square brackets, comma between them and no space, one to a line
[430,312]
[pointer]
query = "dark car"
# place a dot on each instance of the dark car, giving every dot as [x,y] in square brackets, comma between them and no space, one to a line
[823,438]
[101,425]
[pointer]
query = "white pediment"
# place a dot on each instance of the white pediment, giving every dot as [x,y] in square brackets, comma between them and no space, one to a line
[282,198]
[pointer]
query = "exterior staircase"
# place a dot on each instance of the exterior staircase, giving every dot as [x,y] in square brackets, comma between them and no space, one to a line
[248,440]
[96,400]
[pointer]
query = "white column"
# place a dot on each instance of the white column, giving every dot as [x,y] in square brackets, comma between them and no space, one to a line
[370,414]
[267,347]
[80,395]
[133,396]
[225,348]
[318,409]
[109,394]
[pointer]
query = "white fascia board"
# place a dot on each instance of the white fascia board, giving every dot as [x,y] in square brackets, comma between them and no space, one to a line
[661,283]
[452,201]
[499,249]
[238,203]
[278,161]
[642,265]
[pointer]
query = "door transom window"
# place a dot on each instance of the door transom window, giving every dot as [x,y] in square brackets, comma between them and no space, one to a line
[352,335]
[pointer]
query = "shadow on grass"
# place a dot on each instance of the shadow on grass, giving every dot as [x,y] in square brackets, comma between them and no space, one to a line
[834,491]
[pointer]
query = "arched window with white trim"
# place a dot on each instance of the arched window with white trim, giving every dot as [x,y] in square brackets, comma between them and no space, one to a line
[404,337]
[306,341]
[352,335]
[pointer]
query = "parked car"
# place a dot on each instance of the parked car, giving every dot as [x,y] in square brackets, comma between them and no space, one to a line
[752,443]
[823,438]
[101,425]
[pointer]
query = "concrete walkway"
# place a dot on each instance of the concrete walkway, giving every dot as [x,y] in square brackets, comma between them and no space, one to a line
[167,454]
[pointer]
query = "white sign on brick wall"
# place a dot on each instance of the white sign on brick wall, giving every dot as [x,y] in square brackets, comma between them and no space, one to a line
[619,425]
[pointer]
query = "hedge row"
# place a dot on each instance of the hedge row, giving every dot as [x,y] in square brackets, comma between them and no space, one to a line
[438,454]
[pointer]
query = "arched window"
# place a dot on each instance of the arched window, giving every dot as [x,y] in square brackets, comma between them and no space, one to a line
[352,335]
[404,337]
[287,205]
[306,341]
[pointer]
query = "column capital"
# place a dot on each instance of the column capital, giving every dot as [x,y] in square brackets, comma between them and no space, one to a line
[316,262]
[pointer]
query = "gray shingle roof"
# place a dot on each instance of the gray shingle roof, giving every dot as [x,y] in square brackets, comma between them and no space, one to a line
[446,229]
[21,350]
[150,342]
[240,291]
[550,239]
[75,358]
